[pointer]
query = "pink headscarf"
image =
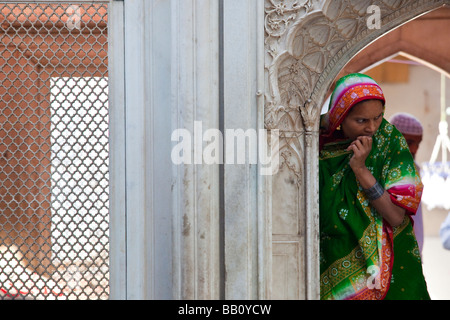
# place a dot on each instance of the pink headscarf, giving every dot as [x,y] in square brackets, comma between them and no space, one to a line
[407,124]
[349,90]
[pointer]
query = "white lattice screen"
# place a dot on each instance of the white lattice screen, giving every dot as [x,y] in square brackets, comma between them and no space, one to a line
[54,210]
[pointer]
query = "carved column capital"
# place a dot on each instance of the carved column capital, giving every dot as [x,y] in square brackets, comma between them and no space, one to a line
[310,114]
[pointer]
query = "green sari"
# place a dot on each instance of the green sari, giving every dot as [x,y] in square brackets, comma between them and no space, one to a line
[361,256]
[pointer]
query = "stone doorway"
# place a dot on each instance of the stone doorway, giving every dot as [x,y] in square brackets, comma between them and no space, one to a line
[307,45]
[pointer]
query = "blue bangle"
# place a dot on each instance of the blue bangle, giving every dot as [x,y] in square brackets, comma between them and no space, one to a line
[374,192]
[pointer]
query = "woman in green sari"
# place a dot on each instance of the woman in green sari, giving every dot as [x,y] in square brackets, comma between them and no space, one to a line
[369,188]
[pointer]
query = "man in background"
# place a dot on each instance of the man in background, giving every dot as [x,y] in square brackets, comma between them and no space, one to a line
[412,130]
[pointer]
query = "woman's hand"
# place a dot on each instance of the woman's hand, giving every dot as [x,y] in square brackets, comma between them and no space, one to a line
[361,148]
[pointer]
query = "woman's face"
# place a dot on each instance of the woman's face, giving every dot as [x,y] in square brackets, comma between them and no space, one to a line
[363,119]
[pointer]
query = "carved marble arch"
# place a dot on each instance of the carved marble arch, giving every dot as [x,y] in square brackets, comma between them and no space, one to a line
[416,40]
[307,44]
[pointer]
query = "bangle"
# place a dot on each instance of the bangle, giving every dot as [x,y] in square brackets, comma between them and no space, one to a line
[374,192]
